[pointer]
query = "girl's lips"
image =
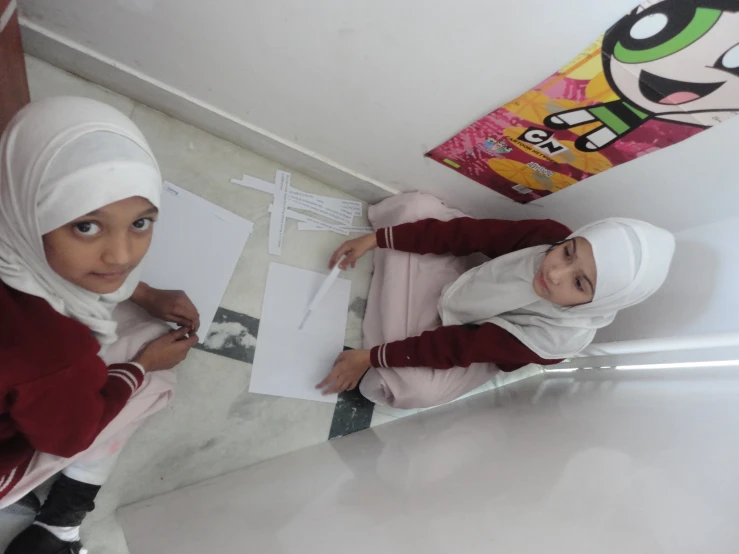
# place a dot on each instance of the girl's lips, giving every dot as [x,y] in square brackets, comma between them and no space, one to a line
[110,276]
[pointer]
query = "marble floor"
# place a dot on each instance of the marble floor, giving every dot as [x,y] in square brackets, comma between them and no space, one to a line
[215,425]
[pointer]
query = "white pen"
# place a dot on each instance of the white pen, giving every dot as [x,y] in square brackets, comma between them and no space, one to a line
[325,286]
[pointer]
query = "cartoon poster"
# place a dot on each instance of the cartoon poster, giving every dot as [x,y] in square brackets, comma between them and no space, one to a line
[663,73]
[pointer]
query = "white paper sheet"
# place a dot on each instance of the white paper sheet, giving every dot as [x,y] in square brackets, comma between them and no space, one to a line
[290,362]
[277,218]
[350,208]
[254,183]
[297,216]
[346,209]
[196,247]
[341,229]
[325,210]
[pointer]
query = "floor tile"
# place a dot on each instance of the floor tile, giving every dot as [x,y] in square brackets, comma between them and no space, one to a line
[353,413]
[10,525]
[213,426]
[378,418]
[233,335]
[395,412]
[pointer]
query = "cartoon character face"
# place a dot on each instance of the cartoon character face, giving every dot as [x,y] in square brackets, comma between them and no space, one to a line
[676,58]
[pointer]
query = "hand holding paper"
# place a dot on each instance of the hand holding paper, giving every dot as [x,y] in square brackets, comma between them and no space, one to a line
[348,370]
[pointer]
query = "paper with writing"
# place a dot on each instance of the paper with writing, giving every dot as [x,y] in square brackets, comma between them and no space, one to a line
[277,217]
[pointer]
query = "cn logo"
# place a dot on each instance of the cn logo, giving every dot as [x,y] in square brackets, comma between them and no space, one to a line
[543,141]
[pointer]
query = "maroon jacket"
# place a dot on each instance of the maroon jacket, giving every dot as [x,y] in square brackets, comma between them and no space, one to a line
[56,393]
[463,345]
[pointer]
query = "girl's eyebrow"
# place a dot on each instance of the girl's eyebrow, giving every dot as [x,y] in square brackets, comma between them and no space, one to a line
[587,279]
[150,211]
[574,253]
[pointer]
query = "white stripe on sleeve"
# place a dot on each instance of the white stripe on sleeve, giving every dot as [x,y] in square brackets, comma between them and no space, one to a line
[5,481]
[383,354]
[139,367]
[125,376]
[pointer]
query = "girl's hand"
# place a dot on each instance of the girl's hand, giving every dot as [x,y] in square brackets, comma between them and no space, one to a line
[348,369]
[168,305]
[353,249]
[167,351]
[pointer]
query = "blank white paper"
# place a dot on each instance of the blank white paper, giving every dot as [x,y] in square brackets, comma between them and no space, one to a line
[196,247]
[289,362]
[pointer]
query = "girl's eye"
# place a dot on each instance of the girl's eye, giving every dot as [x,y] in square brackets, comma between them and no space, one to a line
[87,228]
[143,224]
[567,252]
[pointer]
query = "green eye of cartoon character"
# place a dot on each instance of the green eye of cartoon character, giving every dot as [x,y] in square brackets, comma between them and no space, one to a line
[656,34]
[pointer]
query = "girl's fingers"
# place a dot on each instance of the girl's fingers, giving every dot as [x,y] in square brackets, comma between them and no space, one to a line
[181,321]
[178,334]
[347,260]
[337,387]
[351,260]
[340,251]
[187,310]
[183,346]
[193,312]
[187,343]
[323,384]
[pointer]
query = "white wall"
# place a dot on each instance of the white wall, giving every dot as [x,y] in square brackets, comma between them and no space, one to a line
[702,294]
[642,463]
[370,86]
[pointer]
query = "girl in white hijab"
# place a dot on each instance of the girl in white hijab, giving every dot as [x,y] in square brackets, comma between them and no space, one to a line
[435,330]
[79,194]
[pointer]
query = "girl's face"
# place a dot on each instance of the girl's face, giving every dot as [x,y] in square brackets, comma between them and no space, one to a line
[99,250]
[567,275]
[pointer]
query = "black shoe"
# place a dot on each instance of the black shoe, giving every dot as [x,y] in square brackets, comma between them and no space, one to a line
[37,540]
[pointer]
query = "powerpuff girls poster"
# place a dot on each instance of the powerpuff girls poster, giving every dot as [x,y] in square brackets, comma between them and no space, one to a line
[665,72]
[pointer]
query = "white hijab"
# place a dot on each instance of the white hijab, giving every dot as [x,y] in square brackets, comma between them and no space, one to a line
[632,259]
[60,159]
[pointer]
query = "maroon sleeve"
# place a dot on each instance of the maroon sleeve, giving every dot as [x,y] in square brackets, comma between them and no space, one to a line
[63,413]
[458,346]
[464,236]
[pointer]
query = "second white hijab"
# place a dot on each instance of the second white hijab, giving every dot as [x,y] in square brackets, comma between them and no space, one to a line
[61,158]
[632,259]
